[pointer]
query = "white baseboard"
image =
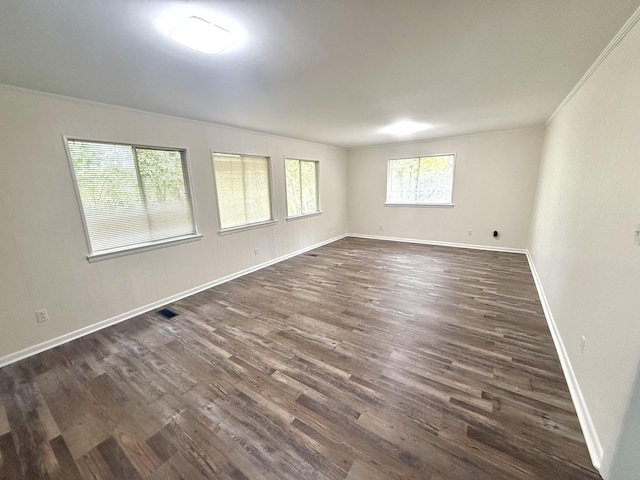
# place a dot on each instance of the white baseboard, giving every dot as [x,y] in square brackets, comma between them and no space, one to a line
[67,337]
[588,429]
[442,244]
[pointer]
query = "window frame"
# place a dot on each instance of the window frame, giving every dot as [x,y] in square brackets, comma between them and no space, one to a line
[249,226]
[422,204]
[105,254]
[318,210]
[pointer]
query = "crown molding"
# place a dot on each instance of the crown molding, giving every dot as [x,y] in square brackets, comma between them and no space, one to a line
[626,28]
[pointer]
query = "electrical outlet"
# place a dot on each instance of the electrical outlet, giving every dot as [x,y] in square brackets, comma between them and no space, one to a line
[255,251]
[380,227]
[469,233]
[636,238]
[583,341]
[42,316]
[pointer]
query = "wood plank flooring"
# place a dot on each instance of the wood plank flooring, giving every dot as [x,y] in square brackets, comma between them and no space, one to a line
[362,360]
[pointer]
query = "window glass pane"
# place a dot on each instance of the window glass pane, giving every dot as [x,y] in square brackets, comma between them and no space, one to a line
[165,192]
[403,180]
[108,186]
[308,187]
[435,181]
[243,189]
[425,180]
[230,187]
[130,196]
[294,199]
[302,186]
[256,183]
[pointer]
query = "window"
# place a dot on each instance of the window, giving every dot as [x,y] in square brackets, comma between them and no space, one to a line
[302,187]
[131,196]
[421,180]
[243,185]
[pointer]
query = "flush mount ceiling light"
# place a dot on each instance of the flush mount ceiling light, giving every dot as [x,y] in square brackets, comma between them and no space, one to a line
[401,129]
[202,36]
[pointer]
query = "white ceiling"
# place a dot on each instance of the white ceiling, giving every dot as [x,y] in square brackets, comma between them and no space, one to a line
[332,71]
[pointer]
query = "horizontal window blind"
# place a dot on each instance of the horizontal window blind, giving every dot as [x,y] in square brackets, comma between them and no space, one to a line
[243,189]
[130,195]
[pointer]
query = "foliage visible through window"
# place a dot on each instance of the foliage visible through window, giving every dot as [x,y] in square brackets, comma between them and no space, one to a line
[302,187]
[131,196]
[243,186]
[421,180]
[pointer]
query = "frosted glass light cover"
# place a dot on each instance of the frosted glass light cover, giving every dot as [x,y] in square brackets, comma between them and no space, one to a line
[405,128]
[202,36]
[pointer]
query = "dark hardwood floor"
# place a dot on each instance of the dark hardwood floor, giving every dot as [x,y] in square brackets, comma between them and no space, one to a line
[363,360]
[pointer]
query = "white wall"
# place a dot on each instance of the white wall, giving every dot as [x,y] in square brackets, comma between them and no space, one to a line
[494,188]
[43,247]
[626,461]
[582,219]
[587,207]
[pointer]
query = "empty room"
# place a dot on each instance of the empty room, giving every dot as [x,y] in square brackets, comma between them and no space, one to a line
[337,239]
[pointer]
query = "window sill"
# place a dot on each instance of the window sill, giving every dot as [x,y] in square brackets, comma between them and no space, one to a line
[143,247]
[242,228]
[445,205]
[298,217]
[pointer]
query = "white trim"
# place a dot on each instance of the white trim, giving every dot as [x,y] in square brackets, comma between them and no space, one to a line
[442,244]
[141,247]
[304,215]
[67,337]
[387,204]
[601,58]
[250,226]
[588,428]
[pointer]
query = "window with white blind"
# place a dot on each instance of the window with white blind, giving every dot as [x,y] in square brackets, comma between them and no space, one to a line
[421,181]
[301,177]
[243,187]
[131,196]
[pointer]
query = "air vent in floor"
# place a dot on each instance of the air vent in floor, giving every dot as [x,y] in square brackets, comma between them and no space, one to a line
[311,254]
[165,312]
